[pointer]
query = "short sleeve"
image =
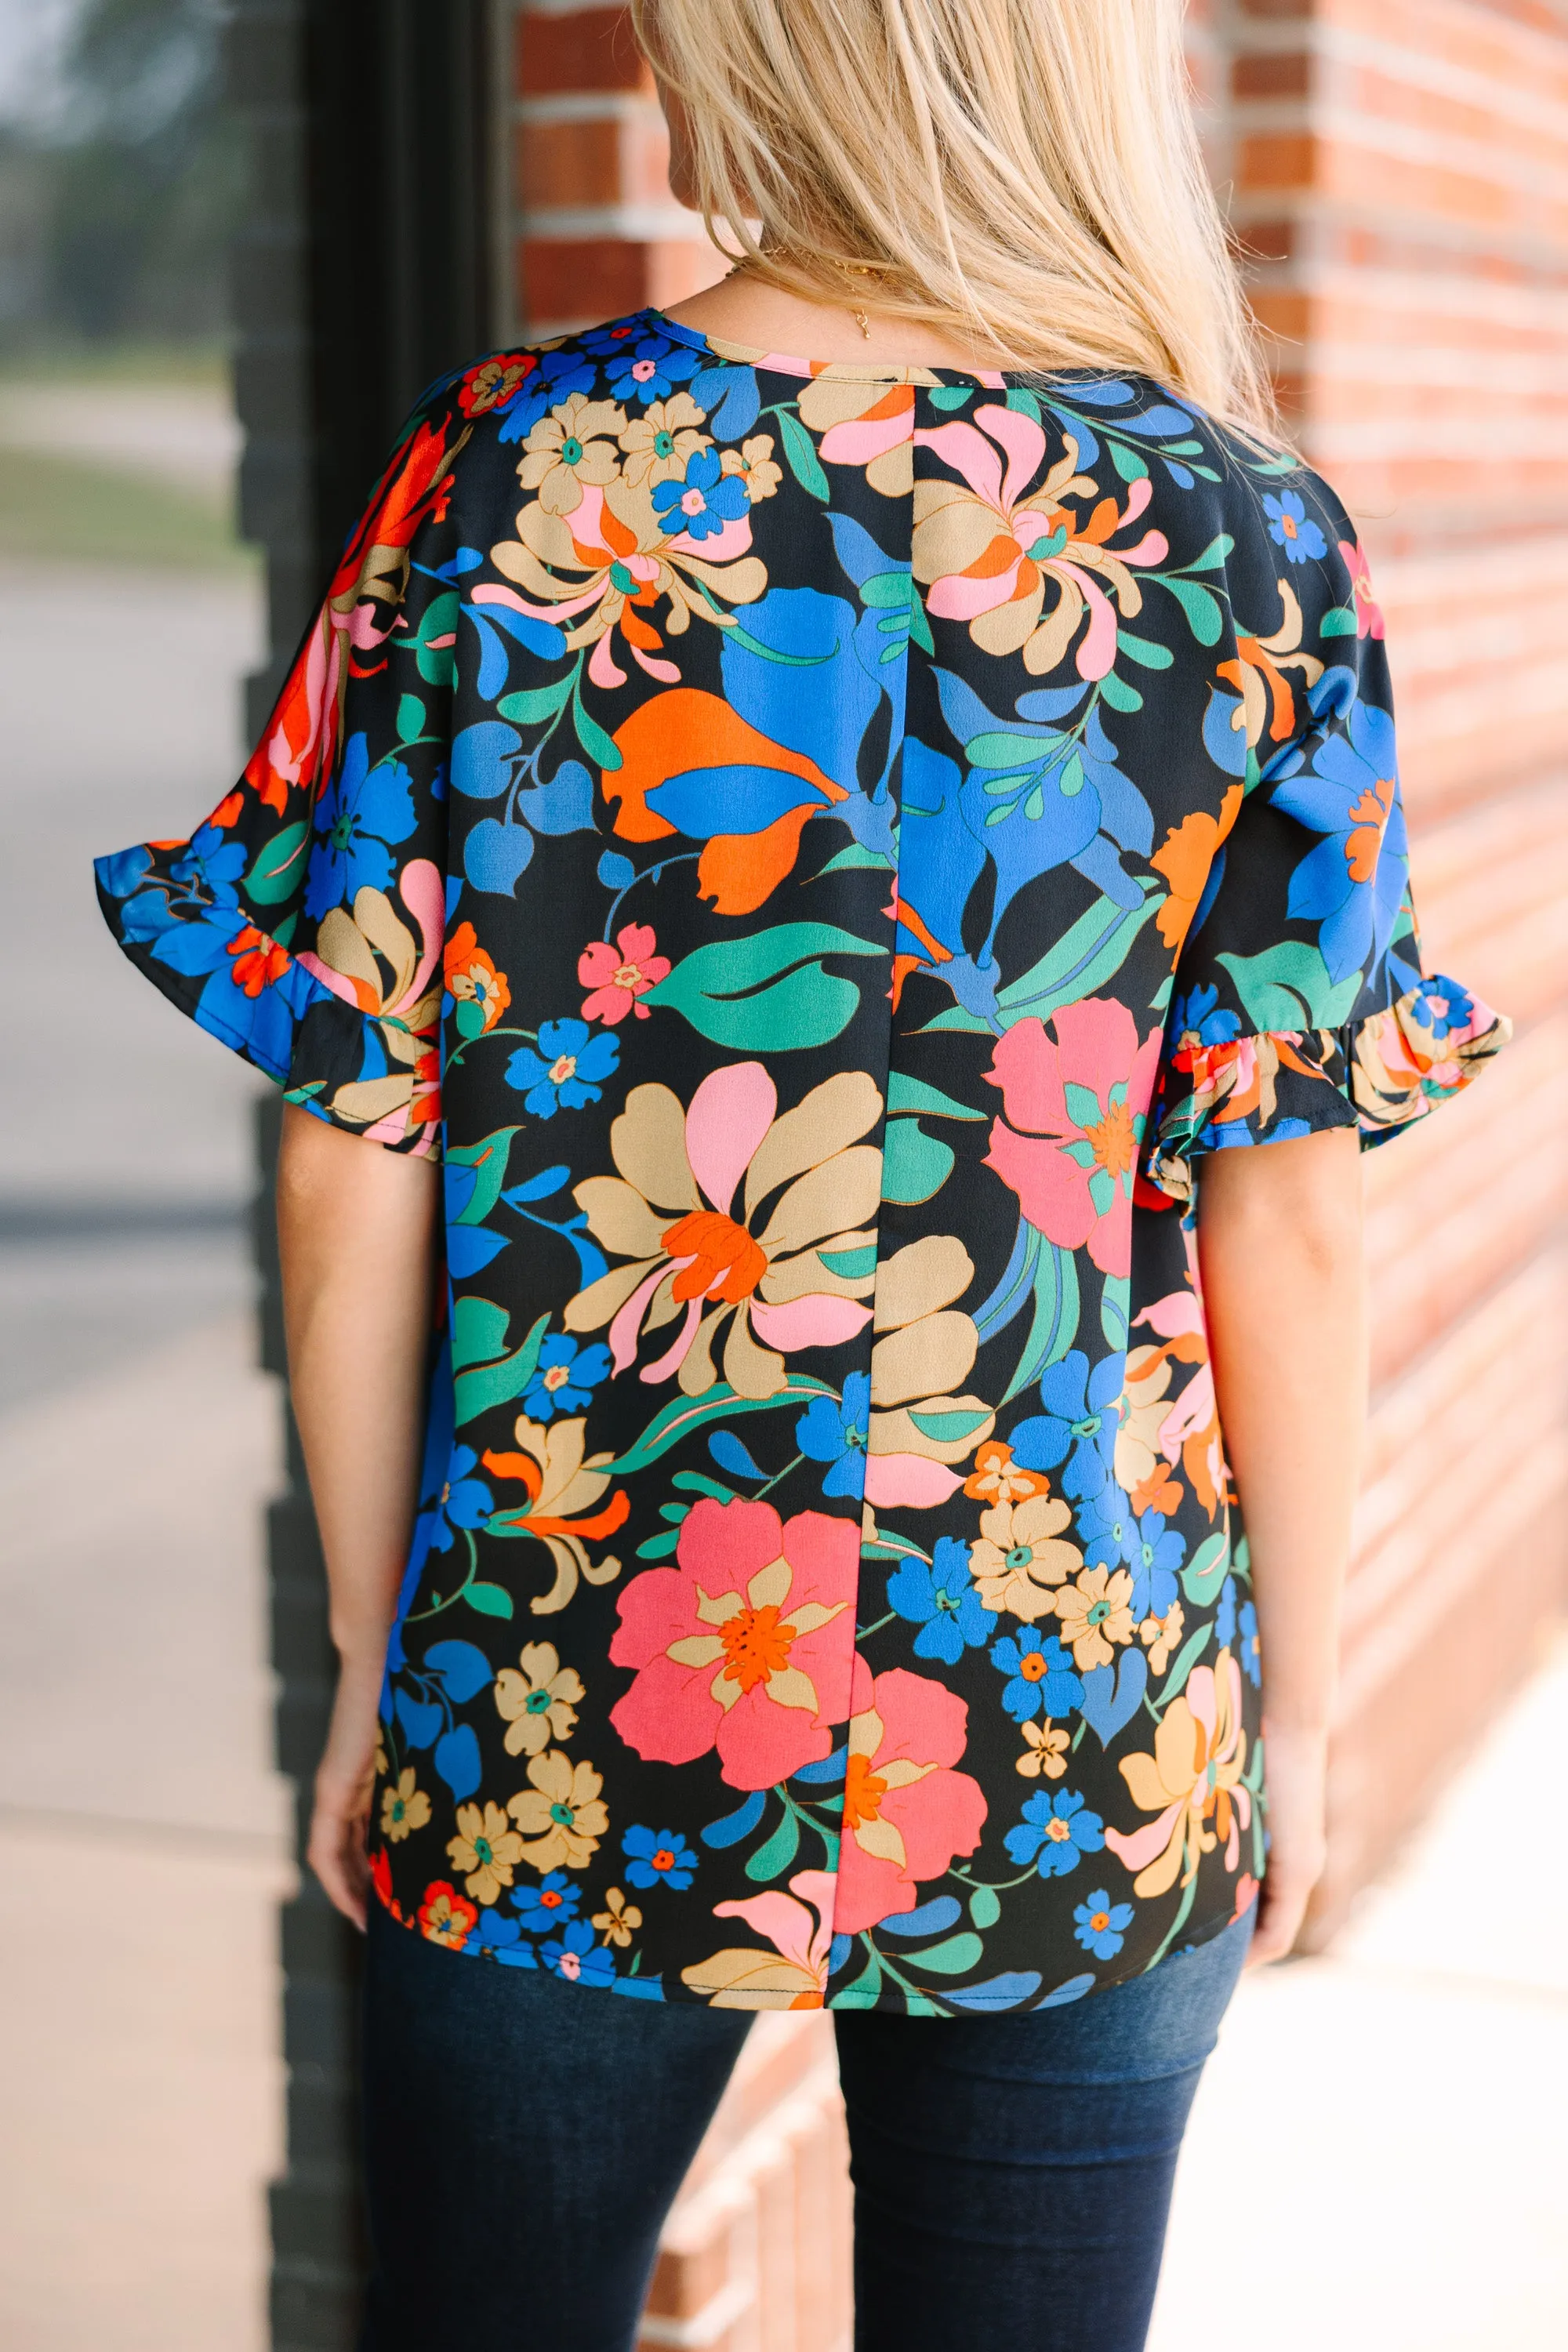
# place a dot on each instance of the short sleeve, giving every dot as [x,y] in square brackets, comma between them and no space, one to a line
[302,923]
[1299,1001]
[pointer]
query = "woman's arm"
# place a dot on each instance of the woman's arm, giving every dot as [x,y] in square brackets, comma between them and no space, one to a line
[1279,1243]
[356,1234]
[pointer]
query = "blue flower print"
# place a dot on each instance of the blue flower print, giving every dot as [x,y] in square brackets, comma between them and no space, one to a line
[1440,1006]
[565,1377]
[1292,528]
[577,1958]
[1224,1615]
[648,366]
[363,811]
[494,1934]
[1194,1016]
[1101,1924]
[1080,1419]
[1352,884]
[1108,1529]
[942,1601]
[548,1907]
[835,1434]
[211,867]
[657,1858]
[1250,1649]
[1043,1681]
[463,1502]
[566,1070]
[1158,1553]
[558,375]
[1059,1830]
[705,501]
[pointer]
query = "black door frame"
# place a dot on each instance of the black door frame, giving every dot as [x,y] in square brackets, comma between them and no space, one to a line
[364,267]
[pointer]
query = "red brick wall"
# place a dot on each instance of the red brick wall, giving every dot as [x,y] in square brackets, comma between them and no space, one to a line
[1403,166]
[595,229]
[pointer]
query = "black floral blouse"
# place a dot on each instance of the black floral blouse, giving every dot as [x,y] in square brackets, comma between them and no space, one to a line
[820,853]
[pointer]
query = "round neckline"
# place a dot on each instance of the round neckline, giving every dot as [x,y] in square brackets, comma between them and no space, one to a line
[720,348]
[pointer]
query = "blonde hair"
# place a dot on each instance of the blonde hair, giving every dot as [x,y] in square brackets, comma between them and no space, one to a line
[1025,174]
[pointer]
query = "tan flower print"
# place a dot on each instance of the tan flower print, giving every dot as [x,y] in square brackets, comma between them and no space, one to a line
[753,461]
[569,450]
[1094,1614]
[1193,1783]
[619,1920]
[561,1487]
[795,1268]
[485,1849]
[658,444]
[539,1704]
[1045,1751]
[561,1816]
[403,1809]
[1161,1636]
[1020,1557]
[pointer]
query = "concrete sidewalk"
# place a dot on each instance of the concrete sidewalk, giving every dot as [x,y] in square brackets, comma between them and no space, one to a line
[1378,2158]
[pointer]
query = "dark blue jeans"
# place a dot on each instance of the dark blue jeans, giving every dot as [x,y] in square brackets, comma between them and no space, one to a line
[526,2137]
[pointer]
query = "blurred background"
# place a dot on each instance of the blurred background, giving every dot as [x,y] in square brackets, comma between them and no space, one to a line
[235,237]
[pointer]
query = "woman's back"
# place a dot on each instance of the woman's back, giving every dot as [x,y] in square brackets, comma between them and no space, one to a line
[875,826]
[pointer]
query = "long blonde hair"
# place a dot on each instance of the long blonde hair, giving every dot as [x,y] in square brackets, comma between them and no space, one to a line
[1025,174]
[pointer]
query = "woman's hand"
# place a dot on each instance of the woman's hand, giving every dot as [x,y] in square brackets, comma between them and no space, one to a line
[344,1778]
[1296,1765]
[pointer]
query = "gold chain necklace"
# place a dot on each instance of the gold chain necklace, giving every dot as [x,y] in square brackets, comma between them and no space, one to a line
[849,269]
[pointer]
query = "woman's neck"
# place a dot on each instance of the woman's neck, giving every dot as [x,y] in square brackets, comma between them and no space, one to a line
[744,310]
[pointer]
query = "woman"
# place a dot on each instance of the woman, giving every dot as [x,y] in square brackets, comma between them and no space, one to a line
[835,852]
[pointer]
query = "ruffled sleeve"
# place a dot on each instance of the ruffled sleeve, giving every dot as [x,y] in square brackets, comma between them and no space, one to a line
[302,923]
[1299,1001]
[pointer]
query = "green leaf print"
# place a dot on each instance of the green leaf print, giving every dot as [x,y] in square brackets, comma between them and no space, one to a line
[490,1600]
[1207,1569]
[679,1419]
[1080,961]
[488,1157]
[275,872]
[953,1958]
[1288,987]
[495,1384]
[1056,1318]
[723,989]
[985,1906]
[800,451]
[435,640]
[915,1166]
[773,1858]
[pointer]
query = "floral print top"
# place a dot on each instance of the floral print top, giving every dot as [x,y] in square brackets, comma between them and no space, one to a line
[821,852]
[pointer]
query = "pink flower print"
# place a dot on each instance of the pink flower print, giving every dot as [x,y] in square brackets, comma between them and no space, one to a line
[1368,611]
[906,1813]
[987,546]
[746,1646]
[1084,1098]
[793,1975]
[618,975]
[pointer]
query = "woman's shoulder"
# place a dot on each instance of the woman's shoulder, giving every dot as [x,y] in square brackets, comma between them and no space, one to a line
[640,357]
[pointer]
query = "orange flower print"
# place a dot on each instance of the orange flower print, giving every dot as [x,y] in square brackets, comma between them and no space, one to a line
[478,989]
[258,961]
[445,1917]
